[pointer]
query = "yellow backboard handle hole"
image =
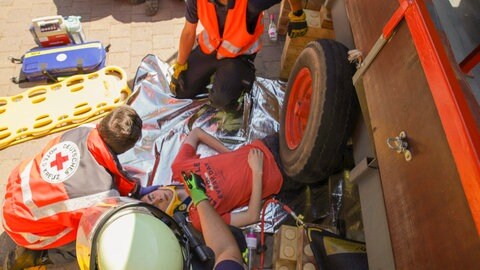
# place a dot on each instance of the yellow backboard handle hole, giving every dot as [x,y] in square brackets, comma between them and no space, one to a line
[42,123]
[37,92]
[81,105]
[114,73]
[17,98]
[62,117]
[38,100]
[76,88]
[4,134]
[93,76]
[42,117]
[102,104]
[3,103]
[20,130]
[74,82]
[82,111]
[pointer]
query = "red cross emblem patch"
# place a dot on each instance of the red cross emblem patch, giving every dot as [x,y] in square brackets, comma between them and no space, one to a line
[60,162]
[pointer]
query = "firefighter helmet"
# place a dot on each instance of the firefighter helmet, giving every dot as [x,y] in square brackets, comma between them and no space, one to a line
[116,236]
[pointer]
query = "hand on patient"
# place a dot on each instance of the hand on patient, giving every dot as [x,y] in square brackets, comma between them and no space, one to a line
[196,187]
[255,161]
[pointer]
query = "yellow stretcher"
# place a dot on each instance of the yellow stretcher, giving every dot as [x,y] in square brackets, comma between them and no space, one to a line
[46,109]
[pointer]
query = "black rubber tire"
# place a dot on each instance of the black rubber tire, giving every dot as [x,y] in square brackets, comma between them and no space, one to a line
[329,124]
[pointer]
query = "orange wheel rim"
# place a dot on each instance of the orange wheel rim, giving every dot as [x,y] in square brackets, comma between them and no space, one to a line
[298,108]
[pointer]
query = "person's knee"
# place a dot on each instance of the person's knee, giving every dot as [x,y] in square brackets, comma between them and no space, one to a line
[181,89]
[221,100]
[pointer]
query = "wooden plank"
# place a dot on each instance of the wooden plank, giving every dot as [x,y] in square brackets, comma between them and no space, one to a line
[283,17]
[430,223]
[326,18]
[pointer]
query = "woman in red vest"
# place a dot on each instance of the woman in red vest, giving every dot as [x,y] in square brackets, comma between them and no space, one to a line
[227,47]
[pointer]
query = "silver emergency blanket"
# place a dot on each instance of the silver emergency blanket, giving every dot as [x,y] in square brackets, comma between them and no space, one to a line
[167,121]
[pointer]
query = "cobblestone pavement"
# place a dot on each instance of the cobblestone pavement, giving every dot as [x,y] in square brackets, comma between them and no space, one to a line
[125,27]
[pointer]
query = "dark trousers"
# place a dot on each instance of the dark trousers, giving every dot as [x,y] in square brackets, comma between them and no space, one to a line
[231,77]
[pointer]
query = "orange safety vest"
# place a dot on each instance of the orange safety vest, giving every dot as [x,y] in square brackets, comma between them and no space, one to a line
[47,195]
[236,39]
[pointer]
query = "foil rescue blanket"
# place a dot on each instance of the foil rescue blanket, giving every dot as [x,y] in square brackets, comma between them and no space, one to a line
[166,121]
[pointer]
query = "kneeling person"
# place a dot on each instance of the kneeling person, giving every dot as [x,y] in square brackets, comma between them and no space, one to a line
[47,194]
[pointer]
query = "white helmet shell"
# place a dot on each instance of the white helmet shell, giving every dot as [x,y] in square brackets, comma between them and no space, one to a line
[136,240]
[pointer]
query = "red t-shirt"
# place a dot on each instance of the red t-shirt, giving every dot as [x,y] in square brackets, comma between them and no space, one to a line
[227,177]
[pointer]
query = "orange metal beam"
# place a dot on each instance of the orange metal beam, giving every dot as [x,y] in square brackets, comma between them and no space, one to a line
[397,16]
[471,60]
[458,123]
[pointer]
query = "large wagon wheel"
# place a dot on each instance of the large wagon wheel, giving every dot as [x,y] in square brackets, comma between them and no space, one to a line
[317,113]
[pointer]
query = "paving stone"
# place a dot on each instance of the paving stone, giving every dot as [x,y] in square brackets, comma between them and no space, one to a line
[141,48]
[164,42]
[120,44]
[165,27]
[39,10]
[102,35]
[22,3]
[167,55]
[5,3]
[120,30]
[141,32]
[121,59]
[5,74]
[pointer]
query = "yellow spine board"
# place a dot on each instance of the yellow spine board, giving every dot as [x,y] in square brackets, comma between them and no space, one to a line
[47,109]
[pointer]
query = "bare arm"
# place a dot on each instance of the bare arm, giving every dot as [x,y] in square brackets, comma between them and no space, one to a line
[198,135]
[217,235]
[187,39]
[255,160]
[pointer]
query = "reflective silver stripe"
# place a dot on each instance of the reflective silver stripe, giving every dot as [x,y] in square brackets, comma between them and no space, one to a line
[71,205]
[254,47]
[235,50]
[32,238]
[25,185]
[230,47]
[44,240]
[58,207]
[206,41]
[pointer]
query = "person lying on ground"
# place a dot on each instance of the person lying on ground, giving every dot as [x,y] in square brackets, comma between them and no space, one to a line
[47,194]
[231,179]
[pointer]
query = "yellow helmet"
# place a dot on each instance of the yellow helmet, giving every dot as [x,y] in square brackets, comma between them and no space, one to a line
[123,234]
